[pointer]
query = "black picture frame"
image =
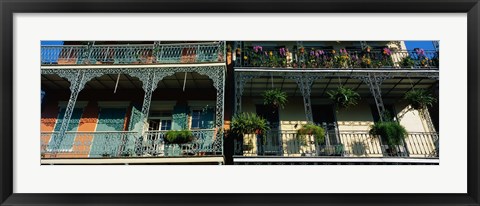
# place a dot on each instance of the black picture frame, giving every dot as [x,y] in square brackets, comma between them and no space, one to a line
[10,7]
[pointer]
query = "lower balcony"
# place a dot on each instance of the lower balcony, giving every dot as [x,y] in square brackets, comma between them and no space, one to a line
[149,147]
[344,147]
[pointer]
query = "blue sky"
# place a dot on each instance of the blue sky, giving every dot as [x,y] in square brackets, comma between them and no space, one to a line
[426,45]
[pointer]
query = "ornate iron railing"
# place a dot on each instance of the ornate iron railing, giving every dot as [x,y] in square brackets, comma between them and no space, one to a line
[351,59]
[133,54]
[87,144]
[352,144]
[203,144]
[124,144]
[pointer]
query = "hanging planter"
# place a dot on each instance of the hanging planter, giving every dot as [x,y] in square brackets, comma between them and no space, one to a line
[419,99]
[275,98]
[392,132]
[344,97]
[311,129]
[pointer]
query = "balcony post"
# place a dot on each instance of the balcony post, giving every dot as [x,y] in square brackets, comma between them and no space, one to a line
[150,79]
[238,93]
[374,82]
[87,52]
[238,57]
[77,79]
[240,80]
[305,83]
[156,50]
[219,84]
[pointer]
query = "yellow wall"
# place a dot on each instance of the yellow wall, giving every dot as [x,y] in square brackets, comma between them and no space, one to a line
[353,125]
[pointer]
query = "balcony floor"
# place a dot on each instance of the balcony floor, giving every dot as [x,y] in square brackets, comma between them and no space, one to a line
[275,160]
[207,160]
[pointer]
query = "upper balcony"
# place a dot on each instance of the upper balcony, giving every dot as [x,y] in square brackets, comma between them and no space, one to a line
[171,53]
[255,57]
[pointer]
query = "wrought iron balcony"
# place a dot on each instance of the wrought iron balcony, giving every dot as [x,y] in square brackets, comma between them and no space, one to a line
[336,59]
[349,144]
[207,52]
[125,144]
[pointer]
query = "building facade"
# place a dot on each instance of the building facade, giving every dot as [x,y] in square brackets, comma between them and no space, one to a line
[306,72]
[114,102]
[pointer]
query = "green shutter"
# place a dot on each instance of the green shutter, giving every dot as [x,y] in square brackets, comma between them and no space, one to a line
[135,125]
[108,144]
[69,138]
[179,117]
[136,121]
[206,119]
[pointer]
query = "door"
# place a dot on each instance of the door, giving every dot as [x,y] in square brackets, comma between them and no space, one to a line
[270,143]
[324,115]
[108,137]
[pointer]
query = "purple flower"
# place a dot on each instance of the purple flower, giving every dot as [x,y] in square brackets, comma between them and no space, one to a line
[317,53]
[387,51]
[420,52]
[282,52]
[257,48]
[321,52]
[312,53]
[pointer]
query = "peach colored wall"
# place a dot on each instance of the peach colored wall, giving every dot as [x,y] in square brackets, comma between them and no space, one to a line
[88,123]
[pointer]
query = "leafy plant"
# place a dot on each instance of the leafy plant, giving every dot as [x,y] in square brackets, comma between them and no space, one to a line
[419,98]
[275,98]
[407,62]
[392,132]
[366,62]
[344,97]
[311,129]
[178,136]
[248,123]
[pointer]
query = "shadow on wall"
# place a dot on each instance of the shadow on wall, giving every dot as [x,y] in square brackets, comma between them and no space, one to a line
[358,148]
[293,147]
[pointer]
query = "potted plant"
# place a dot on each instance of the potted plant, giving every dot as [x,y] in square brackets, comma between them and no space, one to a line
[311,129]
[391,132]
[275,98]
[387,57]
[368,48]
[366,62]
[343,59]
[178,137]
[344,97]
[419,98]
[248,123]
[407,62]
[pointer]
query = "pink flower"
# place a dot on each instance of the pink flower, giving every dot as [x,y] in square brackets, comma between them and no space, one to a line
[257,48]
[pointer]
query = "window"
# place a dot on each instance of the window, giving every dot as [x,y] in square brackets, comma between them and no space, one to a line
[165,124]
[196,119]
[160,120]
